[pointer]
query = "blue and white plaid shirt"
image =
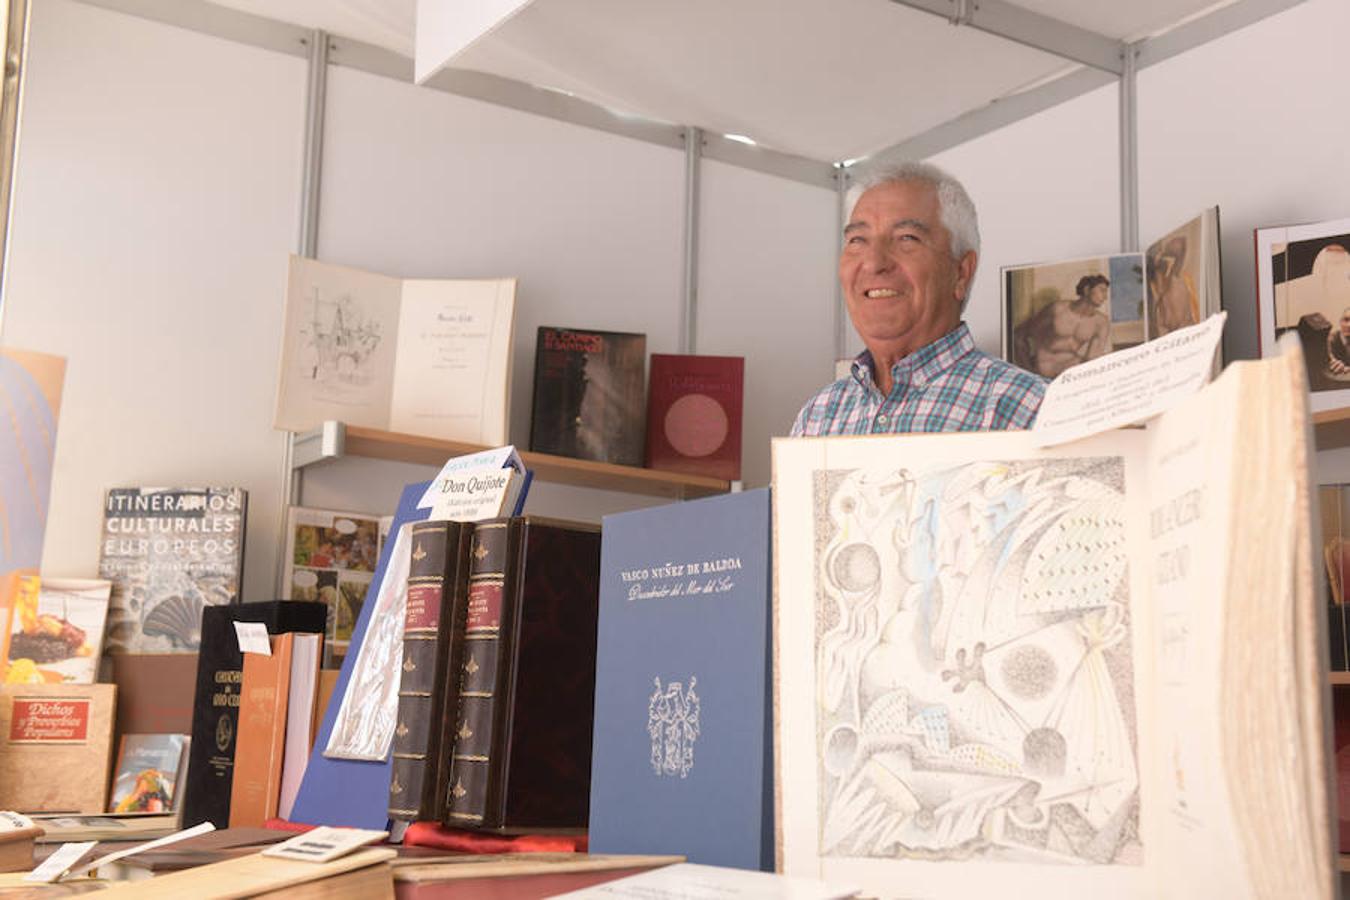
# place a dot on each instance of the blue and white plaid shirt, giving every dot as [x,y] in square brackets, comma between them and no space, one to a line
[948,385]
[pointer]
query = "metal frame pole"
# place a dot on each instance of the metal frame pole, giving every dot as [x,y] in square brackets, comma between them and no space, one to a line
[316,94]
[693,154]
[841,181]
[15,50]
[1129,151]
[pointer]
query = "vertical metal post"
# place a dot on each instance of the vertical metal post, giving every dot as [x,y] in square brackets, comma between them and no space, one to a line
[315,100]
[316,94]
[1129,151]
[693,153]
[15,45]
[840,313]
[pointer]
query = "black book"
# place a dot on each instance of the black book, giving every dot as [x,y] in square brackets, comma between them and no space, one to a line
[590,395]
[215,710]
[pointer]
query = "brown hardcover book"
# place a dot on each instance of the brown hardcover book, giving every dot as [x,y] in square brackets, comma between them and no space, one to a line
[588,395]
[433,642]
[55,746]
[262,734]
[155,692]
[16,849]
[694,414]
[522,750]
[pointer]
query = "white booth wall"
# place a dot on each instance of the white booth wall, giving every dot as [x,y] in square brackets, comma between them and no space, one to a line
[156,262]
[158,192]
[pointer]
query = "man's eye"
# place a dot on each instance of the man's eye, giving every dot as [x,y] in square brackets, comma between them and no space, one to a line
[853,239]
[907,236]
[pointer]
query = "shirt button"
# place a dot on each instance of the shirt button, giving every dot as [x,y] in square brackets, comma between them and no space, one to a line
[882,418]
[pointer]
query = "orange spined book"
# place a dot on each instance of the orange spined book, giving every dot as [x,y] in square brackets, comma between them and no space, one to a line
[262,734]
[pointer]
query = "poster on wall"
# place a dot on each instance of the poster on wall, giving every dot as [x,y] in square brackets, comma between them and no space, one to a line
[1303,286]
[32,384]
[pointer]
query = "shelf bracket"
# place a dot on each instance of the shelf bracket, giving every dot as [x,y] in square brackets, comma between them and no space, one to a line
[328,441]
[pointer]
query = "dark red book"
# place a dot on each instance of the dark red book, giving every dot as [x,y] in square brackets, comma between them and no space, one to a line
[694,414]
[521,755]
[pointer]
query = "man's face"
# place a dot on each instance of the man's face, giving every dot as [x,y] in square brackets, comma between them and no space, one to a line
[1345,323]
[1099,294]
[902,287]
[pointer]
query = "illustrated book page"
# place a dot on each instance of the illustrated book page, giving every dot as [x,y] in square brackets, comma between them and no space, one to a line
[1040,664]
[963,693]
[423,356]
[452,378]
[337,355]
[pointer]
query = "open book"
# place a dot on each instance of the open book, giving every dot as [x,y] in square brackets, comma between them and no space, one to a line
[1094,670]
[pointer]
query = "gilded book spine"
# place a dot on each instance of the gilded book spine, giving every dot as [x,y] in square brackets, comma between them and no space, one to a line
[481,676]
[427,633]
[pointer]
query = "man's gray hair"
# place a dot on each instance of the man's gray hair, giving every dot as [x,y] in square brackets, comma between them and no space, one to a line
[954,205]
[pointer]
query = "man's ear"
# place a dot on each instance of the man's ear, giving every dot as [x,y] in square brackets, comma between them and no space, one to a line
[965,273]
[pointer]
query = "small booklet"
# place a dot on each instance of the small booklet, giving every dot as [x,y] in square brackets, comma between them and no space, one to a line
[149,775]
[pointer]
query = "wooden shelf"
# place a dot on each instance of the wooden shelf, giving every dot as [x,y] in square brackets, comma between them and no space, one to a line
[375,444]
[1343,862]
[1338,677]
[1331,428]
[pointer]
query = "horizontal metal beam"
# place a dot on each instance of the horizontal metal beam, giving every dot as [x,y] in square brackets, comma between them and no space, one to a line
[1001,112]
[1032,29]
[773,162]
[1208,27]
[217,21]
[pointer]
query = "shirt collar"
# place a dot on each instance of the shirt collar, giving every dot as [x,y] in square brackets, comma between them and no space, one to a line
[921,366]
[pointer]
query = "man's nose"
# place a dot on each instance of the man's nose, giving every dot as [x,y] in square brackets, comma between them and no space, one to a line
[878,257]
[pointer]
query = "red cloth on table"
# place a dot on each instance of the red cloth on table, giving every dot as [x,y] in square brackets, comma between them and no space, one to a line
[431,834]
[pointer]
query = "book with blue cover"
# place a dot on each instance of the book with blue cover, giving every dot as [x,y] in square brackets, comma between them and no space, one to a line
[354,792]
[682,759]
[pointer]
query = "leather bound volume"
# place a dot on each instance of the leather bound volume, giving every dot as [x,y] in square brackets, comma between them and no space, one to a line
[433,633]
[215,713]
[263,693]
[522,748]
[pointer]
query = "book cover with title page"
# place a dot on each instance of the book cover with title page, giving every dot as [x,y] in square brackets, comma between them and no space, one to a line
[682,756]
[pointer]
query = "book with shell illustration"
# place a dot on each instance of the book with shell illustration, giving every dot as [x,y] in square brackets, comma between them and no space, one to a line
[169,553]
[56,630]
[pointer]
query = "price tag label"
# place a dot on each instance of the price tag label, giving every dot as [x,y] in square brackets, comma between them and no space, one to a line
[12,821]
[54,866]
[253,638]
[324,844]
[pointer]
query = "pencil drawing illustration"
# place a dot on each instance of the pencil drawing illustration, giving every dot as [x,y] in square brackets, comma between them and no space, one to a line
[340,337]
[973,663]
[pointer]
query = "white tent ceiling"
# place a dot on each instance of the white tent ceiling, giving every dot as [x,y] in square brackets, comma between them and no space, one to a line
[825,79]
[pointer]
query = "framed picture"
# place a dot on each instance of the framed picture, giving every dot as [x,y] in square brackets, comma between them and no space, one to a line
[1303,285]
[1057,315]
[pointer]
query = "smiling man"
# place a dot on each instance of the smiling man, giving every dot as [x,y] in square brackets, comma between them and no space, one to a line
[910,251]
